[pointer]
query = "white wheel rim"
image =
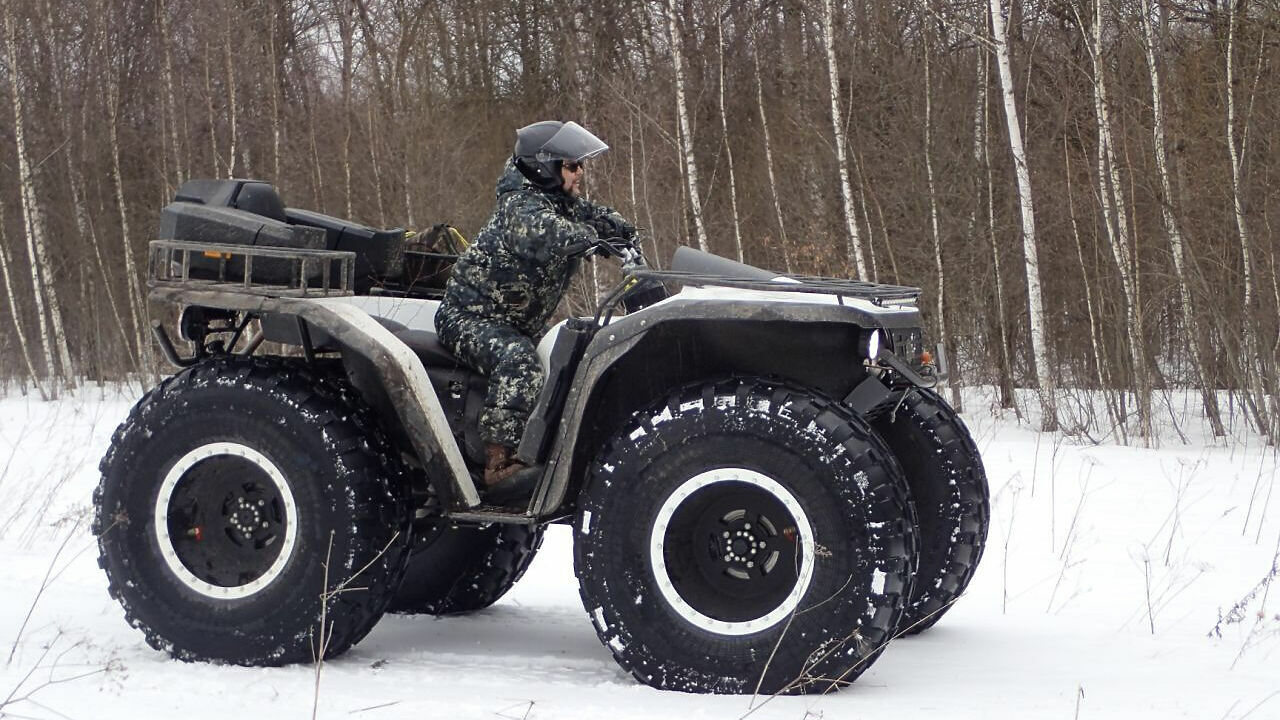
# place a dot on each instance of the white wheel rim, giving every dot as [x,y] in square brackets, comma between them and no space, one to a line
[161,520]
[657,556]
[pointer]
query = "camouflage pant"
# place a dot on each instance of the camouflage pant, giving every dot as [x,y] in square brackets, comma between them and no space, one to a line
[509,358]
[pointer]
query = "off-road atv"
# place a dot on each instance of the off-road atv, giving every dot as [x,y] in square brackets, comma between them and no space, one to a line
[762,487]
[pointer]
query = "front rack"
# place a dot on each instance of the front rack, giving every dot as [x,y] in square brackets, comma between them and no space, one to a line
[877,293]
[268,271]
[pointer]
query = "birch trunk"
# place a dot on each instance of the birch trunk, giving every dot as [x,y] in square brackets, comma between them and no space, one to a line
[84,224]
[856,259]
[1253,370]
[1099,363]
[213,126]
[171,105]
[377,169]
[728,149]
[686,131]
[275,96]
[943,337]
[1208,393]
[346,32]
[12,296]
[768,163]
[1039,346]
[1120,241]
[33,222]
[231,102]
[136,313]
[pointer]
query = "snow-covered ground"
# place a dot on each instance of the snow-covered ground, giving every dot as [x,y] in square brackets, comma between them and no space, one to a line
[1118,582]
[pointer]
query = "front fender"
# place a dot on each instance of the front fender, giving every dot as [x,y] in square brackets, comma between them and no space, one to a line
[692,336]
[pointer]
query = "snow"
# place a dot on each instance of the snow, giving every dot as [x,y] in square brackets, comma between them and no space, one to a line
[1118,582]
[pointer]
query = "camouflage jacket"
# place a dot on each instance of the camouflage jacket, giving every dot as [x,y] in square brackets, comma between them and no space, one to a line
[514,272]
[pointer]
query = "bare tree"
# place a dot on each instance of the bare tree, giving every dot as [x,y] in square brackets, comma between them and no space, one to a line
[856,260]
[686,129]
[728,149]
[940,305]
[1116,221]
[768,162]
[42,286]
[1039,343]
[1255,373]
[1174,234]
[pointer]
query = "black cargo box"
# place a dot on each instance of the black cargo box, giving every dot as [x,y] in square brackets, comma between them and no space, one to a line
[235,212]
[250,212]
[379,253]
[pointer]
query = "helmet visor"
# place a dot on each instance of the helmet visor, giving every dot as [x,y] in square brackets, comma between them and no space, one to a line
[573,142]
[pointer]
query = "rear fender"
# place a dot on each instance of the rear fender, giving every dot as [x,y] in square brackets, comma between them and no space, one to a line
[384,370]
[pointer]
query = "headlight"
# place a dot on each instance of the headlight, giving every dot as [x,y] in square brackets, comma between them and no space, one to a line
[873,344]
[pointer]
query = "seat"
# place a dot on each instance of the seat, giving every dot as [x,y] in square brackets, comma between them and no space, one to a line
[427,345]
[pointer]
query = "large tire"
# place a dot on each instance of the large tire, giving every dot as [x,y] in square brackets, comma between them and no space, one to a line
[949,487]
[745,536]
[463,569]
[242,500]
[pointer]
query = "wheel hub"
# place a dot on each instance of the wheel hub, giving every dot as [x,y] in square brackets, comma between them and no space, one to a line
[225,520]
[732,551]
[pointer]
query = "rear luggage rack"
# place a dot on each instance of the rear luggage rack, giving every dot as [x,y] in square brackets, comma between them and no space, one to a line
[878,293]
[295,272]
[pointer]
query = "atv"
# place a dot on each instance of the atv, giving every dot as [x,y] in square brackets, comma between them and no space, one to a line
[763,488]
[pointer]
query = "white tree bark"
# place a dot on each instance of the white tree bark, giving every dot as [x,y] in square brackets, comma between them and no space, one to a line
[274,59]
[768,163]
[136,311]
[728,149]
[686,131]
[1190,325]
[208,98]
[12,296]
[943,337]
[171,104]
[853,235]
[377,168]
[231,102]
[1122,245]
[1100,366]
[33,221]
[1254,370]
[1039,346]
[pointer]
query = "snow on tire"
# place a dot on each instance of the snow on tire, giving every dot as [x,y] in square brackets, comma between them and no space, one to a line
[949,488]
[237,498]
[745,536]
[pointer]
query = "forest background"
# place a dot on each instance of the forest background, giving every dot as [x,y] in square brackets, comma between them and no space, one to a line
[1086,190]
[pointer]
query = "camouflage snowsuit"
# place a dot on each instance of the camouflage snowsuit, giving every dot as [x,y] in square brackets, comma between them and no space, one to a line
[505,287]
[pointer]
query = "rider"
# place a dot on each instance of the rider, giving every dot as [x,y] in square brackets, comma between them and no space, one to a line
[511,279]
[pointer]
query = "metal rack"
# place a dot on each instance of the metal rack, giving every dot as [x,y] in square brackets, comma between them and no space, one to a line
[230,268]
[878,293]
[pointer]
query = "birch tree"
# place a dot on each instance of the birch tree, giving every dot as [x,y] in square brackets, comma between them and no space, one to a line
[33,223]
[940,305]
[14,311]
[852,233]
[686,130]
[1116,221]
[768,163]
[1039,344]
[728,149]
[1173,233]
[136,312]
[1254,371]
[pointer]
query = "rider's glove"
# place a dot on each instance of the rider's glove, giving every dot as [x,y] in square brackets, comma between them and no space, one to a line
[613,226]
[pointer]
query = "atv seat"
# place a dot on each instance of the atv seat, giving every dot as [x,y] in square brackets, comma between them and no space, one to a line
[427,346]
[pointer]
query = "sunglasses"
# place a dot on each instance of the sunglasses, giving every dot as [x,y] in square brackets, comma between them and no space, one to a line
[572,166]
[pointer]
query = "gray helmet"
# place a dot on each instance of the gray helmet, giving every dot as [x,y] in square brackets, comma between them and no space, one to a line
[541,148]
